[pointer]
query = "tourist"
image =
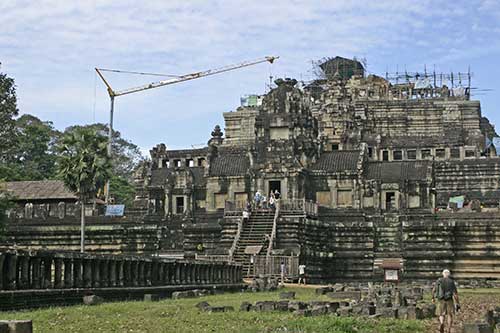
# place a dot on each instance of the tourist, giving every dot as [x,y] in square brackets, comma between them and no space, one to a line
[249,206]
[276,194]
[271,202]
[302,273]
[257,198]
[246,216]
[446,293]
[264,202]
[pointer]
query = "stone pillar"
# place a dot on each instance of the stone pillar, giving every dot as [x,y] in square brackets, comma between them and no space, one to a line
[58,280]
[120,271]
[24,278]
[161,274]
[36,282]
[127,269]
[154,273]
[204,273]
[168,274]
[96,273]
[177,273]
[78,272]
[112,273]
[87,273]
[11,262]
[68,273]
[142,273]
[196,273]
[135,273]
[47,273]
[104,273]
[2,262]
[148,272]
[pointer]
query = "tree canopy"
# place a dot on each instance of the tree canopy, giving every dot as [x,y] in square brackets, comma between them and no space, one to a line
[82,161]
[8,110]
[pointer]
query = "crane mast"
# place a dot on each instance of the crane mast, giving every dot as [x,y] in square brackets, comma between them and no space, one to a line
[196,75]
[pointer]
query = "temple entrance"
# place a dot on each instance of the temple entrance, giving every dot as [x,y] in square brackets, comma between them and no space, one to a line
[275,185]
[390,200]
[179,205]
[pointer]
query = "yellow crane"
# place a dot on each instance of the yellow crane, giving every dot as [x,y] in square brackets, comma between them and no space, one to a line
[177,79]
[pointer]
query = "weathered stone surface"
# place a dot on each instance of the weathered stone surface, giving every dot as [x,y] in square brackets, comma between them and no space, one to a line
[387,312]
[281,306]
[203,306]
[19,326]
[246,306]
[352,295]
[303,312]
[344,311]
[265,306]
[4,327]
[323,290]
[319,310]
[92,300]
[151,297]
[296,305]
[410,312]
[477,328]
[220,309]
[183,294]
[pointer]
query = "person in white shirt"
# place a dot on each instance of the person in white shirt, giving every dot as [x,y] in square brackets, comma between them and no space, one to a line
[302,273]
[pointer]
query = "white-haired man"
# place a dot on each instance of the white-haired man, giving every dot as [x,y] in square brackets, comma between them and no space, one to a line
[445,291]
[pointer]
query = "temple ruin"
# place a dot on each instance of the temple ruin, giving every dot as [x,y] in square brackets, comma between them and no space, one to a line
[369,170]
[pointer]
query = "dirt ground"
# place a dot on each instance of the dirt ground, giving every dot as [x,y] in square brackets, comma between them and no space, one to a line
[474,305]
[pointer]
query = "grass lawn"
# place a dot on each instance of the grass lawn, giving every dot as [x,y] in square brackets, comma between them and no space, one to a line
[182,316]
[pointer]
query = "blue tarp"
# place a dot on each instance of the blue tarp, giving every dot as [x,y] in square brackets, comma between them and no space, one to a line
[115,210]
[496,144]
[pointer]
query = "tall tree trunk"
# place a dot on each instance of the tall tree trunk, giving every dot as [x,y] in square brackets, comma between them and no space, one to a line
[82,227]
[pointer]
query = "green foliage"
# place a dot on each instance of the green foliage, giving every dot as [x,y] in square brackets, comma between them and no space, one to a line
[5,204]
[8,110]
[122,190]
[126,155]
[33,156]
[83,163]
[182,316]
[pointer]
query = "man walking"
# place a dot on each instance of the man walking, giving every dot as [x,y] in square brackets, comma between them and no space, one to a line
[302,273]
[446,293]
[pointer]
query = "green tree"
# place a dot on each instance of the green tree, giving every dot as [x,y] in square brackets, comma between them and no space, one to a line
[5,204]
[84,166]
[8,110]
[126,158]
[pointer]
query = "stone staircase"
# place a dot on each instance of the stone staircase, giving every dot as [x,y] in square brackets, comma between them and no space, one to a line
[388,234]
[254,233]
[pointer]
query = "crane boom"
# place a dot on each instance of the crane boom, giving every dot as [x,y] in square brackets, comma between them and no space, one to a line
[185,77]
[182,78]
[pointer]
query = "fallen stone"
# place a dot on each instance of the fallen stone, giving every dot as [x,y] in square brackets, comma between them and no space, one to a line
[18,326]
[410,312]
[337,287]
[220,309]
[344,311]
[245,306]
[265,306]
[388,312]
[477,328]
[151,297]
[296,305]
[287,295]
[281,306]
[303,312]
[352,295]
[183,294]
[203,306]
[92,300]
[319,310]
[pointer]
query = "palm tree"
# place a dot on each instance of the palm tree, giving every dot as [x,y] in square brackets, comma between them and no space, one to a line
[84,166]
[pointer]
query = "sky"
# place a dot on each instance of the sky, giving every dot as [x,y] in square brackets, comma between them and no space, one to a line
[51,49]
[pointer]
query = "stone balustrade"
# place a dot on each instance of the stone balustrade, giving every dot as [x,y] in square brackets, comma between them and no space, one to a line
[65,270]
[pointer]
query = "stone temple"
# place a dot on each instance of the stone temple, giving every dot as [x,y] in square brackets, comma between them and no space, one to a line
[370,171]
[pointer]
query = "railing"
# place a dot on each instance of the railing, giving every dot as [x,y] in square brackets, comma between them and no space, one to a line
[273,233]
[271,266]
[307,206]
[213,257]
[236,239]
[63,270]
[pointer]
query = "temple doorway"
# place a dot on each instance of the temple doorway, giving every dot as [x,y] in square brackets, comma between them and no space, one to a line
[274,185]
